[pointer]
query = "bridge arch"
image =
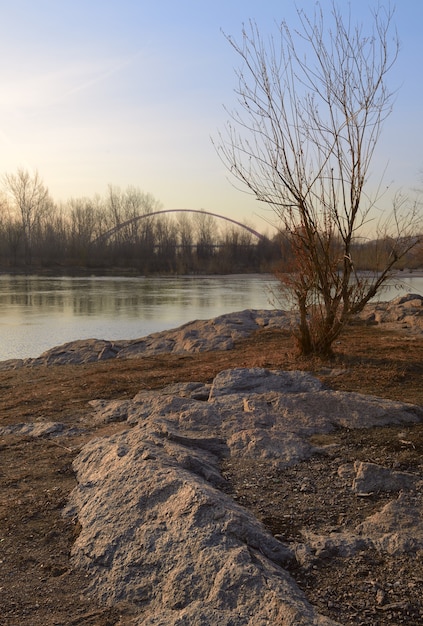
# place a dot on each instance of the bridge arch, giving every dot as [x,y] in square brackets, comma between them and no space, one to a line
[133,220]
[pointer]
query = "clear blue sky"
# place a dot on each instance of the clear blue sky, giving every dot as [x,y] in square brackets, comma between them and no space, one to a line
[129,92]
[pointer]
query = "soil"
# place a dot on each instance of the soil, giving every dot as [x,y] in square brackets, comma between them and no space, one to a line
[38,586]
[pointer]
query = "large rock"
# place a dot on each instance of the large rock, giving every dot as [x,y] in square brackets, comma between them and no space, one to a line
[161,537]
[219,333]
[158,529]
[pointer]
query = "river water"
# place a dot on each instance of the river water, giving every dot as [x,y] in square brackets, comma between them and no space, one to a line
[38,313]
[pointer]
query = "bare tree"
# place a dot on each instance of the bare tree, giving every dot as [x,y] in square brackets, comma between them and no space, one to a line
[311,107]
[206,232]
[31,200]
[84,216]
[186,239]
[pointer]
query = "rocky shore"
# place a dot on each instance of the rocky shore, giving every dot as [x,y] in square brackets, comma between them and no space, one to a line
[220,333]
[158,529]
[162,526]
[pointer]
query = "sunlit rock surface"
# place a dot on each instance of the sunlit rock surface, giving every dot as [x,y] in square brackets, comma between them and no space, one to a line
[159,530]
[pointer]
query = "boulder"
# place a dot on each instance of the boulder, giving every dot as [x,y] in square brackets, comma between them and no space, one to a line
[218,333]
[78,352]
[162,538]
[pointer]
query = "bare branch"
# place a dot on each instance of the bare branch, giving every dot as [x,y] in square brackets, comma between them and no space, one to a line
[311,106]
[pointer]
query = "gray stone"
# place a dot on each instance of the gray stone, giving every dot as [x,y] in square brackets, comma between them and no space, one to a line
[398,527]
[12,364]
[159,536]
[405,312]
[158,529]
[370,478]
[78,352]
[260,380]
[219,333]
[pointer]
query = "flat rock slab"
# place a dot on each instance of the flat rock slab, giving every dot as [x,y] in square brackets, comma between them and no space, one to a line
[158,529]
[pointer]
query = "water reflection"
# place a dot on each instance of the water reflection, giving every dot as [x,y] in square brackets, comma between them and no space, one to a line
[127,296]
[38,313]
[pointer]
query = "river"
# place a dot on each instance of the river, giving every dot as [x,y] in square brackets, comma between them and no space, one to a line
[38,313]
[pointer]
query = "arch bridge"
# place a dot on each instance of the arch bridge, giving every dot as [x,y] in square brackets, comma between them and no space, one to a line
[133,220]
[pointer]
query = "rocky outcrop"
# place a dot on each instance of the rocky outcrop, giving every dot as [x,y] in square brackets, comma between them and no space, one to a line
[405,312]
[160,531]
[219,333]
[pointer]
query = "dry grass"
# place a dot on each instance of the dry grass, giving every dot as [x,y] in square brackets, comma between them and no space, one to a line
[37,584]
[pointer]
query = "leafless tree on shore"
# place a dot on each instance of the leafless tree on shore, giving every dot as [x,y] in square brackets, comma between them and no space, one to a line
[311,105]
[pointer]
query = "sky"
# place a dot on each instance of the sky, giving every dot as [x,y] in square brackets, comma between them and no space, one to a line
[130,93]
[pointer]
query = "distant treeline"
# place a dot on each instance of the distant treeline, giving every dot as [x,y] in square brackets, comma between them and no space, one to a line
[37,233]
[110,234]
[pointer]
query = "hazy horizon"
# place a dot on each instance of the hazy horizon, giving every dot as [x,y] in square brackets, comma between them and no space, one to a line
[130,93]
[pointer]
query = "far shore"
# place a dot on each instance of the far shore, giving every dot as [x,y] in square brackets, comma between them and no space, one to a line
[122,273]
[409,273]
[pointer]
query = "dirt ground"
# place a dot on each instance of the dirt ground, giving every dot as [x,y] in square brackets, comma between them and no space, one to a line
[39,588]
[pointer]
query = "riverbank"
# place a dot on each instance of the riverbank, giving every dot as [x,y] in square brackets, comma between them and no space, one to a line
[40,586]
[41,313]
[77,272]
